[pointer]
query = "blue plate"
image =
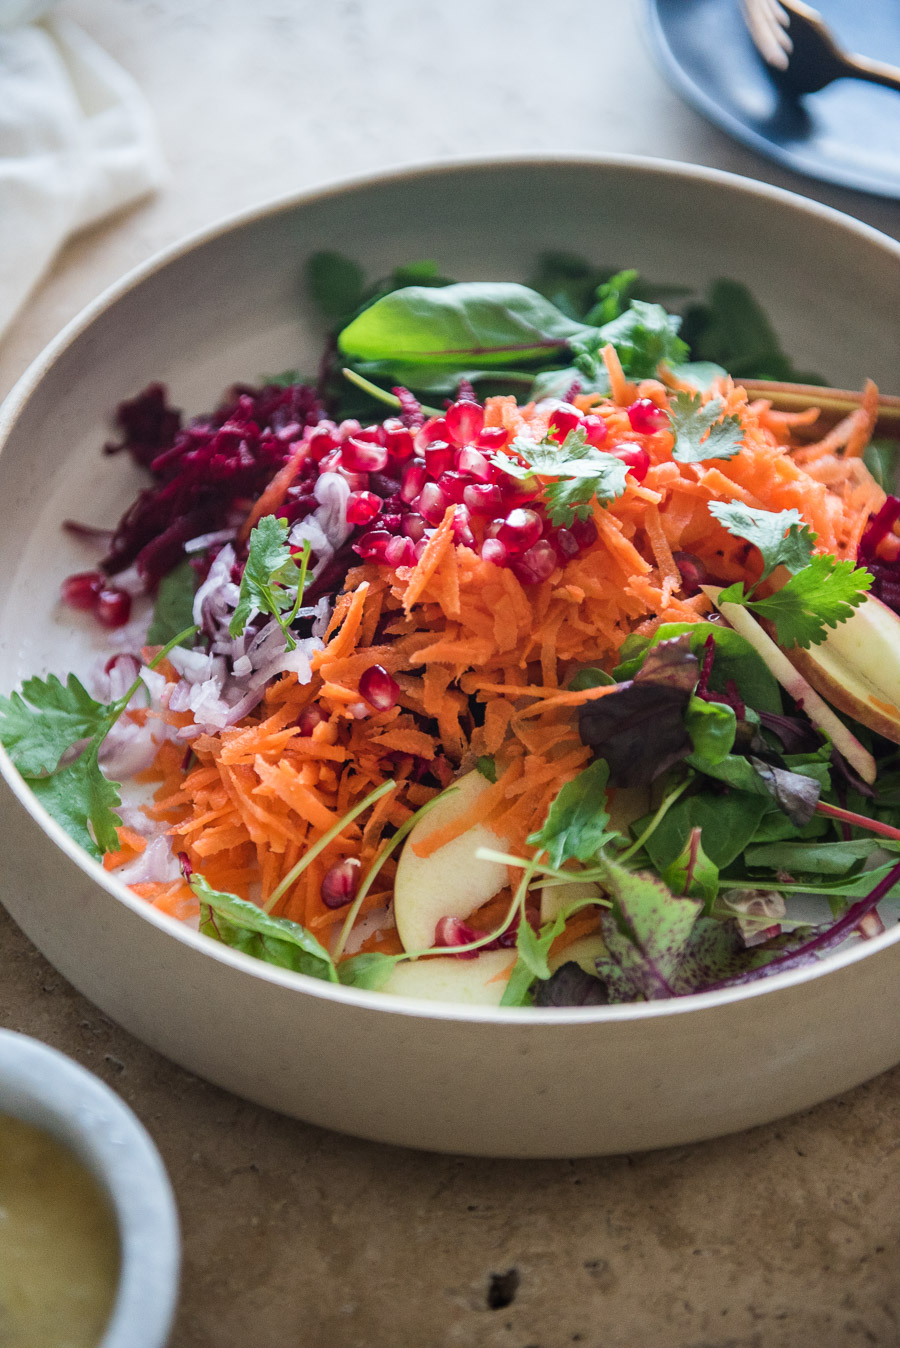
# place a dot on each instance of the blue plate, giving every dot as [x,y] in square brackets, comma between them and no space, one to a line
[848,133]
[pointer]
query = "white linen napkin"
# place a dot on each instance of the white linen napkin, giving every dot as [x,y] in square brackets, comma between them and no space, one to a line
[77,142]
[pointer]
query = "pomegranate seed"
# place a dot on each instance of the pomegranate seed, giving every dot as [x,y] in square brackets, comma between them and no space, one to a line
[309,718]
[413,526]
[563,420]
[483,498]
[362,507]
[415,475]
[646,417]
[520,530]
[371,544]
[453,485]
[113,608]
[362,456]
[398,440]
[435,429]
[450,931]
[340,883]
[473,462]
[400,552]
[493,438]
[422,544]
[636,457]
[438,458]
[693,572]
[349,427]
[432,503]
[384,485]
[462,530]
[465,421]
[537,564]
[321,442]
[566,544]
[378,688]
[595,429]
[584,532]
[492,550]
[83,590]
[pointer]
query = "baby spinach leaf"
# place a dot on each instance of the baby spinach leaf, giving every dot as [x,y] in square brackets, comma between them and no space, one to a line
[245,927]
[712,727]
[692,875]
[576,823]
[700,430]
[727,822]
[700,374]
[371,970]
[174,607]
[812,858]
[39,724]
[481,323]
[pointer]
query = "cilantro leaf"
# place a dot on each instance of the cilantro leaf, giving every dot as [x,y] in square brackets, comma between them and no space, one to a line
[822,595]
[79,795]
[782,536]
[576,823]
[245,927]
[583,473]
[272,582]
[47,718]
[692,420]
[644,336]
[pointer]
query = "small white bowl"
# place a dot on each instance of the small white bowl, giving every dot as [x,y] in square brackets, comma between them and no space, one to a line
[44,1088]
[226,305]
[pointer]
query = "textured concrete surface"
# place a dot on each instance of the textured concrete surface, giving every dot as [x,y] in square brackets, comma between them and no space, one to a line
[785,1237]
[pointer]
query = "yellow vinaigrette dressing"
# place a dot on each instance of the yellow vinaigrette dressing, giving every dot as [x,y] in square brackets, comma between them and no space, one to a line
[59,1248]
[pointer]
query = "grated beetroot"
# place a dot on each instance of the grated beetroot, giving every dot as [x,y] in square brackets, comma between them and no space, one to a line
[886,573]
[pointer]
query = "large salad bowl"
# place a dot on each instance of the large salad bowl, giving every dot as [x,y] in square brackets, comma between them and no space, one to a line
[228,305]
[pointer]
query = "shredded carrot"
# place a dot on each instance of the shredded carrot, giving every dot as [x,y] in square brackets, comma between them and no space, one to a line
[275,492]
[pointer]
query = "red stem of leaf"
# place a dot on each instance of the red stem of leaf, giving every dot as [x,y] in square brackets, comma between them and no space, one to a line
[860,820]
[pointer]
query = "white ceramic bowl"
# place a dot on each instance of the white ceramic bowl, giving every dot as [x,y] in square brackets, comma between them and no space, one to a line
[43,1087]
[227,305]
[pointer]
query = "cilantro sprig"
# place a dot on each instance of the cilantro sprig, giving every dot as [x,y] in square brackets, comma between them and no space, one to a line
[53,732]
[700,430]
[274,579]
[822,591]
[583,474]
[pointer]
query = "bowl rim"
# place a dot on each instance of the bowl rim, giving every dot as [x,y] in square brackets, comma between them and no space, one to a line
[57,1095]
[417,1008]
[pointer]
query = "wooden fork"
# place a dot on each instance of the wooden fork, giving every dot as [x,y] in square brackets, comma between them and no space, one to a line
[801,52]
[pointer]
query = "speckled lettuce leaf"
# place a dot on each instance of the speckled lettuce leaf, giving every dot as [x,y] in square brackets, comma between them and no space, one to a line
[646,934]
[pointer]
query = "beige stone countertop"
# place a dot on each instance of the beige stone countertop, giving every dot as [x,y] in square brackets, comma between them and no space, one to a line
[784,1237]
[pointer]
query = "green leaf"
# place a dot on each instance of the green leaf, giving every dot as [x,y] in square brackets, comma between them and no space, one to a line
[174,607]
[700,430]
[576,823]
[272,582]
[813,858]
[480,323]
[727,823]
[732,329]
[700,374]
[646,932]
[335,282]
[556,383]
[644,336]
[83,801]
[783,538]
[822,595]
[692,875]
[47,718]
[584,474]
[712,727]
[370,970]
[735,659]
[487,767]
[531,963]
[275,940]
[590,678]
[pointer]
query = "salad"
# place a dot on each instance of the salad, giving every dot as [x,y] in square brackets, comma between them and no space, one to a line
[541,650]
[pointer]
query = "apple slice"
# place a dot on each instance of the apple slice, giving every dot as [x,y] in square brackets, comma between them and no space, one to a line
[555,897]
[857,667]
[583,951]
[453,881]
[446,978]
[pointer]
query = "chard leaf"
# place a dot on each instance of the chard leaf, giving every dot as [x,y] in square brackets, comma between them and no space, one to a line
[480,323]
[174,607]
[371,970]
[782,536]
[692,875]
[39,724]
[83,801]
[570,985]
[576,823]
[700,430]
[645,933]
[245,927]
